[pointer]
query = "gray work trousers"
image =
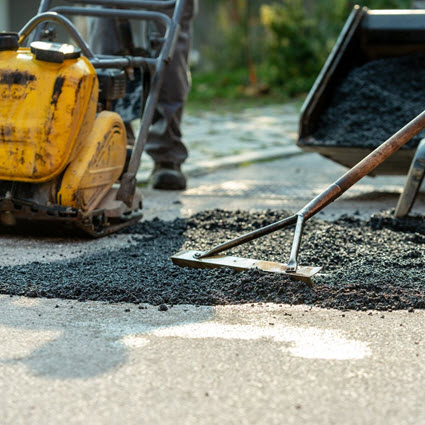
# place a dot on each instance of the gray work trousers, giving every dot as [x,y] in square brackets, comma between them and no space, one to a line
[164,142]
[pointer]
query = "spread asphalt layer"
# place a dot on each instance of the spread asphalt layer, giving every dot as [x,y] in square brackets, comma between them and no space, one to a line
[373,264]
[373,102]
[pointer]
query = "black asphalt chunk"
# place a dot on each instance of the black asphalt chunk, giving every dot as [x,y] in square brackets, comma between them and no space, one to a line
[373,102]
[373,264]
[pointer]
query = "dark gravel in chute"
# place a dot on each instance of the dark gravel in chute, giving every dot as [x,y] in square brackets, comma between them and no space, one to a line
[373,102]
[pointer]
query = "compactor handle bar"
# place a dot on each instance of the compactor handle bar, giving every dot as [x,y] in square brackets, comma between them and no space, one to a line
[145,4]
[45,5]
[48,13]
[101,61]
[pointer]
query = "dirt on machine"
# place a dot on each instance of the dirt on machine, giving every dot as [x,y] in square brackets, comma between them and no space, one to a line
[64,154]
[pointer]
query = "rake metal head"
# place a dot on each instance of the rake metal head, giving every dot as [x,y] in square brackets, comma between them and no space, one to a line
[190,259]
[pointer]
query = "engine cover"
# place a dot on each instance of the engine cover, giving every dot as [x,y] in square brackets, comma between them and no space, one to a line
[98,166]
[46,113]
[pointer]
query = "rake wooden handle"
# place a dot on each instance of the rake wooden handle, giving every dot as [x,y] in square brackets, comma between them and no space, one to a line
[364,167]
[333,192]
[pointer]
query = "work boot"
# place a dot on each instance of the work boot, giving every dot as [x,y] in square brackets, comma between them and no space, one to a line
[168,176]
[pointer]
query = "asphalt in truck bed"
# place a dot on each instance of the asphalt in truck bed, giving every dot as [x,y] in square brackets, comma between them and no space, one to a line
[373,102]
[367,264]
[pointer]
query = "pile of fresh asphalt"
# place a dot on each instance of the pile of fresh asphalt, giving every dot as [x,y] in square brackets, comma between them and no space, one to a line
[373,102]
[373,264]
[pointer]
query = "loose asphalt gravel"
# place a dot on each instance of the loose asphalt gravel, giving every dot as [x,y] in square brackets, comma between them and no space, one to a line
[373,264]
[373,102]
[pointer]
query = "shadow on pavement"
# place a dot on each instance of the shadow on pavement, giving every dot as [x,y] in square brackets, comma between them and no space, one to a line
[79,340]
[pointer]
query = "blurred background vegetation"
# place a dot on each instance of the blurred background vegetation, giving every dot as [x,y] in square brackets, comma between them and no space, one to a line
[267,49]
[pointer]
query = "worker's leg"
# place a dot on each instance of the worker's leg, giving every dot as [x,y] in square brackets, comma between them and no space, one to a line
[165,137]
[164,142]
[104,37]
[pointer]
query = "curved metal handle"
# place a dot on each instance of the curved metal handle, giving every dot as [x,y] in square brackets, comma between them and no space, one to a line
[61,20]
[115,13]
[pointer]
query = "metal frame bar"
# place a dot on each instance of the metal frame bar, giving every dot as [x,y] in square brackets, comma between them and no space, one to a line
[45,5]
[413,183]
[114,13]
[61,20]
[98,61]
[154,5]
[129,181]
[171,25]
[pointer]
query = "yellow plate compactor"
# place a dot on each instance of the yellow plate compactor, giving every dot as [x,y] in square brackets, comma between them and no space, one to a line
[63,150]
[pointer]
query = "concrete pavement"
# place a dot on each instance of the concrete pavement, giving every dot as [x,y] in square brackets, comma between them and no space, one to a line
[224,139]
[92,363]
[74,363]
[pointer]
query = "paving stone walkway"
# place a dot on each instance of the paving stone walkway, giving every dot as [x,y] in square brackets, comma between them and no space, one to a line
[224,139]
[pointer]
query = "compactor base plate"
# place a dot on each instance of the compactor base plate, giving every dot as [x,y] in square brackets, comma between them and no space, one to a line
[18,215]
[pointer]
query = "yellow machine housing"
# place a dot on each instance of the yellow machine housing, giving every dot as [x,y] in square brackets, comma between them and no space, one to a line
[49,133]
[99,164]
[46,114]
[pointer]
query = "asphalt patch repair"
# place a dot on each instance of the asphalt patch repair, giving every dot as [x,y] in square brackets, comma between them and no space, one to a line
[373,102]
[373,264]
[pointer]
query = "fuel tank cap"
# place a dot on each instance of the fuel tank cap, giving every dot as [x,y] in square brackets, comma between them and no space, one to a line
[54,52]
[9,41]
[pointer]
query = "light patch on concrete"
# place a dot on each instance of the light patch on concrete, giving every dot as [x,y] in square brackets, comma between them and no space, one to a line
[26,302]
[16,344]
[24,250]
[313,343]
[134,341]
[230,188]
[371,190]
[310,343]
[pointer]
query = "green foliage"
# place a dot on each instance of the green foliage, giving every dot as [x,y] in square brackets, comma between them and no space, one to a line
[296,47]
[216,84]
[281,44]
[237,36]
[301,35]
